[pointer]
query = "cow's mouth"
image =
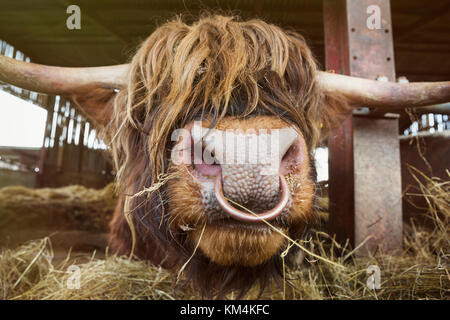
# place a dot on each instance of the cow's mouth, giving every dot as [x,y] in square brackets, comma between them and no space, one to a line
[232,225]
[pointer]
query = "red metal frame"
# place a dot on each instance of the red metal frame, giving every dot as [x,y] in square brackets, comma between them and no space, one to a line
[364,154]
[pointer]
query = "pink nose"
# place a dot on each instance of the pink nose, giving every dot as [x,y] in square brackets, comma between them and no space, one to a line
[250,216]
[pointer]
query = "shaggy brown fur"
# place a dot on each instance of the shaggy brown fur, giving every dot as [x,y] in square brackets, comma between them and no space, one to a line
[241,74]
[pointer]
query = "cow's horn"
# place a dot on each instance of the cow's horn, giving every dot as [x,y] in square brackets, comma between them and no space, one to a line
[371,93]
[384,95]
[60,80]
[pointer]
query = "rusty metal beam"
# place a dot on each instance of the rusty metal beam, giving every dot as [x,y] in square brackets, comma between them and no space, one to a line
[364,163]
[340,141]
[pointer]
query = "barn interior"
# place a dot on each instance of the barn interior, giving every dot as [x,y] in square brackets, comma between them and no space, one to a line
[53,185]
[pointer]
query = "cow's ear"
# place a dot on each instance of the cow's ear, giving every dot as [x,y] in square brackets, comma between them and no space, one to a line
[334,110]
[96,103]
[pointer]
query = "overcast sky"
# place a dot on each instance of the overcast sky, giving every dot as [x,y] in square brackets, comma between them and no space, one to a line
[22,123]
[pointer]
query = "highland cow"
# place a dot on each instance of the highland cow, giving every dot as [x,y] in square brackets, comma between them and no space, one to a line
[224,224]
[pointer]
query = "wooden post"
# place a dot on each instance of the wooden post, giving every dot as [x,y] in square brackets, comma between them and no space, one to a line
[364,153]
[50,106]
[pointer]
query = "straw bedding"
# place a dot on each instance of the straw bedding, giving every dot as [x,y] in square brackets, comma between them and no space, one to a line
[32,270]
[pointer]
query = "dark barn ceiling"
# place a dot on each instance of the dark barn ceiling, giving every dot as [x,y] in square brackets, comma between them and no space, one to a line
[111,29]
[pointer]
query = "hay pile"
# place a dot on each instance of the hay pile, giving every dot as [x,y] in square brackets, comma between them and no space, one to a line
[421,272]
[67,213]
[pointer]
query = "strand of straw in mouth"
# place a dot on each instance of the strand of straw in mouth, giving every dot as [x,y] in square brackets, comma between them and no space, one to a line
[162,179]
[289,238]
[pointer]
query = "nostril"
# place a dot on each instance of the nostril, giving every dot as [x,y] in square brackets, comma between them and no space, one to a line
[204,161]
[292,158]
[208,169]
[288,153]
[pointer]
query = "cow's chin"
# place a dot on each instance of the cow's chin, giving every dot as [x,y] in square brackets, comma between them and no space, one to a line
[230,246]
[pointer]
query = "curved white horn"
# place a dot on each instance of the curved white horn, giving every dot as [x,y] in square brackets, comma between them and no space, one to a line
[60,80]
[371,93]
[384,95]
